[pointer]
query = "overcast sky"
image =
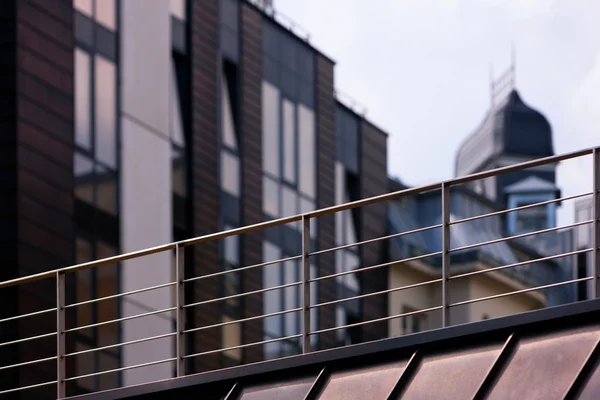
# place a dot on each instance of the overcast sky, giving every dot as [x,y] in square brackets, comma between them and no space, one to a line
[422,67]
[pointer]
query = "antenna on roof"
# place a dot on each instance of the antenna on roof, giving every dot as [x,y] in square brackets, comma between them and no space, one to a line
[505,83]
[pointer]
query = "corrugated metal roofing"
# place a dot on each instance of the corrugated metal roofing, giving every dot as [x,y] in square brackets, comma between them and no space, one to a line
[547,354]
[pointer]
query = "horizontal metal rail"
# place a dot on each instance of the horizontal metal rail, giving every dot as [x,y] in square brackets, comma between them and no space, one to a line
[110,371]
[32,362]
[27,339]
[372,321]
[362,296]
[393,236]
[264,264]
[519,264]
[237,321]
[113,321]
[509,210]
[295,218]
[234,296]
[116,296]
[522,235]
[37,385]
[241,346]
[113,346]
[532,289]
[28,315]
[386,264]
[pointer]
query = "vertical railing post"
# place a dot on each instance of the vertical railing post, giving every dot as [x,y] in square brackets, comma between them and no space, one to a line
[305,284]
[61,387]
[596,224]
[180,312]
[445,253]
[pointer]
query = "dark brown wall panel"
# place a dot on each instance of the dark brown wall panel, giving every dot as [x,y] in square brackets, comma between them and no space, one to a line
[326,143]
[36,122]
[251,126]
[204,53]
[373,223]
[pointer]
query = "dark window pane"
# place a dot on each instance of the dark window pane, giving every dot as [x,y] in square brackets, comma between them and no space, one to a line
[84,178]
[106,112]
[84,364]
[108,362]
[179,178]
[106,190]
[83,67]
[106,285]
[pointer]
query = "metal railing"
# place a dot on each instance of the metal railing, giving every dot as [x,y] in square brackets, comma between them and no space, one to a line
[180,355]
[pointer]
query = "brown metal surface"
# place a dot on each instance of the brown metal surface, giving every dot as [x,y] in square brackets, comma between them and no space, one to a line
[543,367]
[452,375]
[373,383]
[591,390]
[288,390]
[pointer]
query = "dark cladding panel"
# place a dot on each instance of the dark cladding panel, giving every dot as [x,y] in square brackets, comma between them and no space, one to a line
[544,367]
[375,383]
[452,375]
[251,135]
[373,224]
[286,390]
[204,53]
[326,145]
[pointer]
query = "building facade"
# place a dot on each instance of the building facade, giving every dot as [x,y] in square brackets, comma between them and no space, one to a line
[141,122]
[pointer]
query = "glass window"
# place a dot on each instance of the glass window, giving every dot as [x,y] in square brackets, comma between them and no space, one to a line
[106,110]
[270,129]
[179,178]
[84,178]
[231,245]
[83,68]
[271,197]
[178,9]
[231,336]
[307,148]
[227,123]
[83,6]
[177,135]
[291,295]
[106,190]
[230,173]
[314,299]
[289,143]
[107,362]
[84,364]
[106,285]
[272,298]
[106,13]
[289,206]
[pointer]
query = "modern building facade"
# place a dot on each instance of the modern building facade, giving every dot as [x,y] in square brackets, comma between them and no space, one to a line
[141,122]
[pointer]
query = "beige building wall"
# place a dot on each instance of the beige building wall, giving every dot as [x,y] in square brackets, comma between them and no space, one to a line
[428,296]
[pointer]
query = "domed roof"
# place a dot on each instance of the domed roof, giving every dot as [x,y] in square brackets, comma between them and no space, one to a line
[510,128]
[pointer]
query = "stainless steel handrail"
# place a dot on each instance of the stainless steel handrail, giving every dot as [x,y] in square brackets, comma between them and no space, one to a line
[305,280]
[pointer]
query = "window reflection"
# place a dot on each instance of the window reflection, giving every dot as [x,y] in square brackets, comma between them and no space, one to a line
[106,190]
[271,197]
[105,88]
[289,145]
[83,6]
[230,173]
[83,67]
[179,172]
[307,149]
[84,178]
[270,122]
[106,13]
[106,285]
[178,9]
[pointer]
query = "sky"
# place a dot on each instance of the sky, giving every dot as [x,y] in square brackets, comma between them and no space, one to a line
[422,70]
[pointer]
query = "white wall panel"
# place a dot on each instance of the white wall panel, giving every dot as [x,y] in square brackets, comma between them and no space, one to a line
[145,204]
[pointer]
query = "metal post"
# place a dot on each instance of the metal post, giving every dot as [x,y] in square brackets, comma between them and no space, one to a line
[305,284]
[180,316]
[596,225]
[445,253]
[61,387]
